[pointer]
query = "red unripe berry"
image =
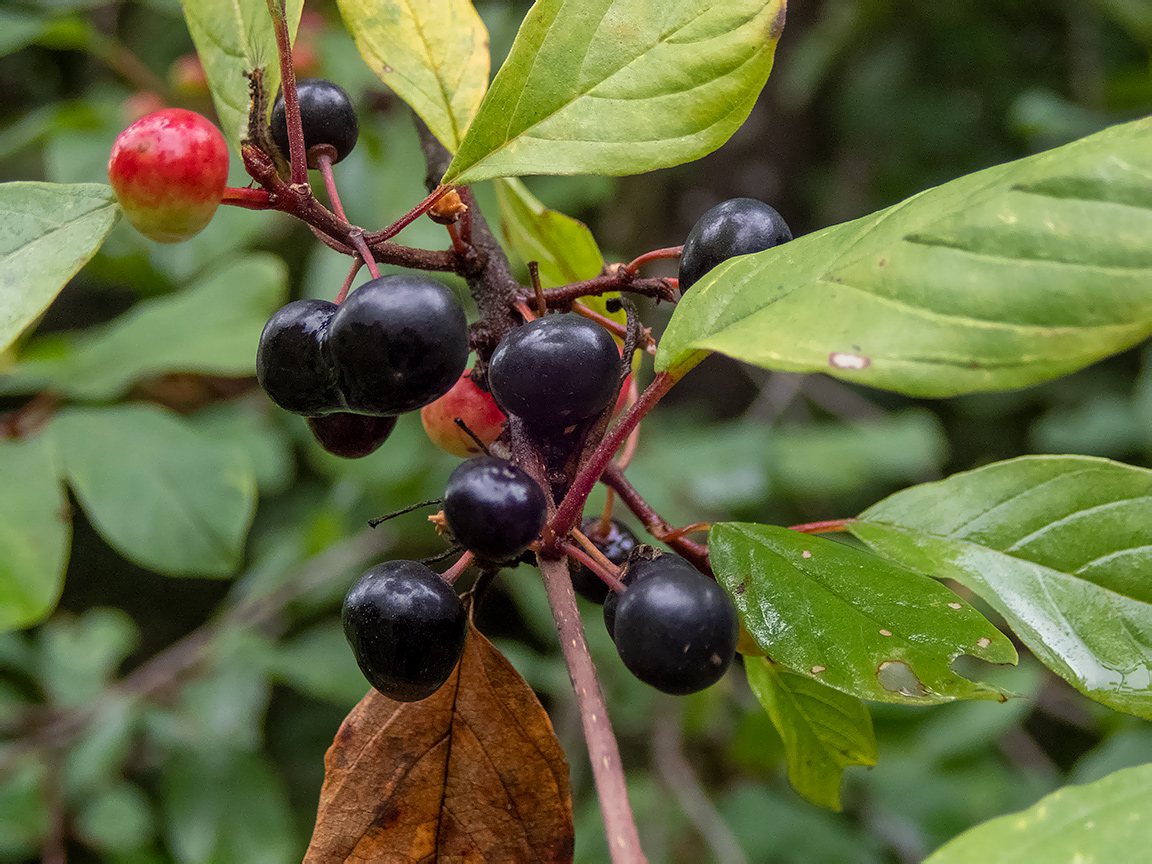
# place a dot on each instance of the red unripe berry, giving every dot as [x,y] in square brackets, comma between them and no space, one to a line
[169,170]
[472,405]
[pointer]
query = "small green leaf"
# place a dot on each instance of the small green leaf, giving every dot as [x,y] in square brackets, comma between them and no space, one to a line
[998,280]
[851,620]
[77,656]
[229,307]
[233,37]
[1059,545]
[620,86]
[563,246]
[1109,820]
[116,820]
[433,54]
[47,233]
[162,494]
[35,532]
[823,730]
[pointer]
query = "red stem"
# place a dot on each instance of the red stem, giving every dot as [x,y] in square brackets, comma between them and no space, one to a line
[453,573]
[297,158]
[607,769]
[570,509]
[249,199]
[409,217]
[655,255]
[825,527]
[357,240]
[596,566]
[357,263]
[324,160]
[654,523]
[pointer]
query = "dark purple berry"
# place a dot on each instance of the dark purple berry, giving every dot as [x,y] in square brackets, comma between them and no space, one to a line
[351,436]
[406,627]
[637,570]
[493,508]
[555,371]
[292,362]
[616,545]
[676,629]
[326,116]
[398,343]
[739,226]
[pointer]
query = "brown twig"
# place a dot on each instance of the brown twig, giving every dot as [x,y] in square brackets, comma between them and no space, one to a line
[607,770]
[297,158]
[654,523]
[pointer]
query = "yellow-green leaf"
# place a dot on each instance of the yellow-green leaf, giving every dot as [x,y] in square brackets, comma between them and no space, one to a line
[433,54]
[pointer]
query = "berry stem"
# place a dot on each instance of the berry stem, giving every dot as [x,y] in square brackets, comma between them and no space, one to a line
[356,238]
[613,327]
[574,551]
[409,217]
[568,513]
[453,573]
[657,254]
[826,527]
[621,280]
[249,199]
[357,263]
[600,558]
[297,158]
[607,770]
[655,524]
[324,160]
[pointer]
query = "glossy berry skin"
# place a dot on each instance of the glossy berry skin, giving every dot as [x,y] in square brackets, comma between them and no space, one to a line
[326,117]
[168,171]
[350,436]
[292,361]
[676,630]
[493,508]
[406,627]
[739,226]
[638,570]
[474,406]
[398,343]
[555,371]
[616,545]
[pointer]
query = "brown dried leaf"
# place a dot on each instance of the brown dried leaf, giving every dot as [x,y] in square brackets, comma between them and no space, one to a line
[472,773]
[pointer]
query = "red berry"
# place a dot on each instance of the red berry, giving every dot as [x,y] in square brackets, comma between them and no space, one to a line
[472,405]
[169,170]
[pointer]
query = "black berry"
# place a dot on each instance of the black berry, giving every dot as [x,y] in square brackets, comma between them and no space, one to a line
[326,115]
[398,343]
[292,362]
[555,371]
[638,569]
[615,545]
[676,630]
[493,508]
[739,226]
[351,436]
[406,627]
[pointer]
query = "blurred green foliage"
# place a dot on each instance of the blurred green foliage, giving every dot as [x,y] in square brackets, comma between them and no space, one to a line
[156,720]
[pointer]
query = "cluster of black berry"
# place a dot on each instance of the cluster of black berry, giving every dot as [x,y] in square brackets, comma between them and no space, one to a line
[674,628]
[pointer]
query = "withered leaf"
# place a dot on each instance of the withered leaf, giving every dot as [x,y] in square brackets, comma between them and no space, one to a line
[472,773]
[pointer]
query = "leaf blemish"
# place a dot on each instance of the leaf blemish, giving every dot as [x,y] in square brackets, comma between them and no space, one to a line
[848,361]
[955,606]
[805,554]
[984,642]
[741,588]
[816,670]
[897,677]
[885,632]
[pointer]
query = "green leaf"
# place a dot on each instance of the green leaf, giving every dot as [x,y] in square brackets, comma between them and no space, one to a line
[824,731]
[35,532]
[1109,820]
[620,86]
[998,280]
[223,805]
[563,246]
[211,328]
[1059,545]
[77,656]
[47,233]
[116,820]
[851,620]
[163,495]
[433,54]
[19,28]
[233,37]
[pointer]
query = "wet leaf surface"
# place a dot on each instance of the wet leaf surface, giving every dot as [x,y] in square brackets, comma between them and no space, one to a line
[472,773]
[850,619]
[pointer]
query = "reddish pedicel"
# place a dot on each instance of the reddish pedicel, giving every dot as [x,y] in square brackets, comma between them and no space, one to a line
[169,170]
